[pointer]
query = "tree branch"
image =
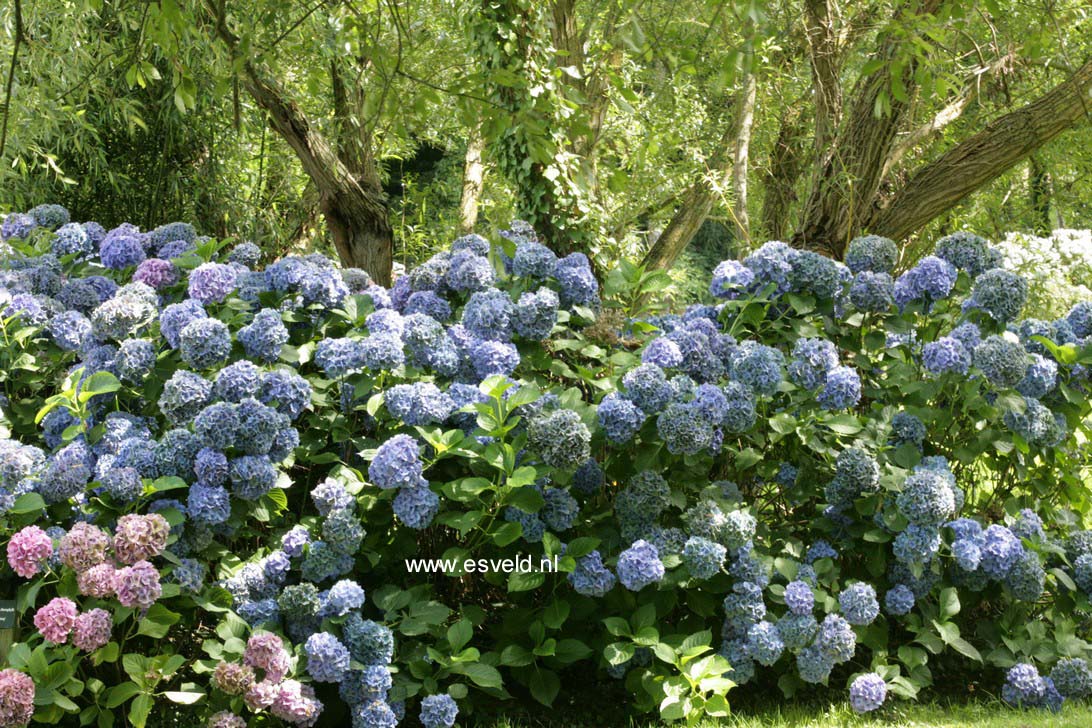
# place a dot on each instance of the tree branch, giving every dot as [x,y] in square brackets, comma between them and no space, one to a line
[1006,141]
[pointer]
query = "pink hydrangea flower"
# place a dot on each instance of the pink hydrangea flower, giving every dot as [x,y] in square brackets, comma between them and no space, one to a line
[266,651]
[139,538]
[28,549]
[226,719]
[233,678]
[92,630]
[138,585]
[296,704]
[56,619]
[98,581]
[84,546]
[261,695]
[16,699]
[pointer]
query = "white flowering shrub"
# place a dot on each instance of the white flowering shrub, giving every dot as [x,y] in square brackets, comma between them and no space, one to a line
[215,469]
[1058,269]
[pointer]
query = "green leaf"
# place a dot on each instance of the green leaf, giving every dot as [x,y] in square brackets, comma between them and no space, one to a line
[544,686]
[480,674]
[949,603]
[120,693]
[525,580]
[459,634]
[556,613]
[28,503]
[157,622]
[139,710]
[618,653]
[183,698]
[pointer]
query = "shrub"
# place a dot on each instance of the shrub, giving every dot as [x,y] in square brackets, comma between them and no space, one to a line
[720,495]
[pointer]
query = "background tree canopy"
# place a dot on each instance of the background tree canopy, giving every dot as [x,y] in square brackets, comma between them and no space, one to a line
[624,128]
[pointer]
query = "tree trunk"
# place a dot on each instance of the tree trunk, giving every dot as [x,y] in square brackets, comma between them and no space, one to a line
[1008,140]
[356,214]
[741,155]
[842,196]
[473,176]
[693,210]
[1039,195]
[780,181]
[353,204]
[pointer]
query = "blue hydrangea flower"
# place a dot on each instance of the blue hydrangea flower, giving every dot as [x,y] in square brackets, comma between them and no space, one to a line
[1000,550]
[872,253]
[647,387]
[330,495]
[468,271]
[946,354]
[438,711]
[758,366]
[123,247]
[327,658]
[703,558]
[899,600]
[416,506]
[1023,687]
[907,429]
[619,418]
[1001,294]
[872,292]
[932,279]
[208,504]
[264,336]
[1040,379]
[813,664]
[799,597]
[836,639]
[420,403]
[1072,678]
[683,428]
[590,577]
[772,265]
[858,603]
[576,280]
[123,484]
[560,438]
[867,693]
[204,343]
[488,315]
[639,566]
[966,251]
[343,597]
[184,395]
[966,553]
[812,360]
[1079,319]
[917,545]
[176,316]
[534,260]
[820,550]
[70,329]
[764,643]
[730,279]
[841,390]
[536,313]
[251,476]
[212,282]
[1004,362]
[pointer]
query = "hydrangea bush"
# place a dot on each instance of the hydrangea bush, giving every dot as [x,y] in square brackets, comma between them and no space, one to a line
[214,471]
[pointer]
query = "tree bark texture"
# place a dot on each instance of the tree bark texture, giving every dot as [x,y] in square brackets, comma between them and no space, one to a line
[473,177]
[352,203]
[781,178]
[745,119]
[842,196]
[1005,142]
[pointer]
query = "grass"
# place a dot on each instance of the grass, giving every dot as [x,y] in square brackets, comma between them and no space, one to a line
[896,715]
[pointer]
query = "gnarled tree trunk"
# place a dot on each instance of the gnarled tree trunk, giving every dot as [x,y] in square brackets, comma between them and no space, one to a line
[1005,142]
[352,202]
